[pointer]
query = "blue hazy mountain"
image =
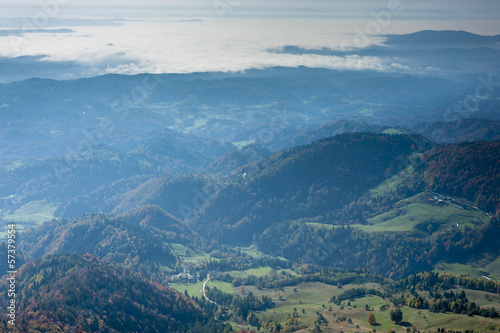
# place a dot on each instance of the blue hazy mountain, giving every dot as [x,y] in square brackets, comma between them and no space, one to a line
[442,39]
[426,52]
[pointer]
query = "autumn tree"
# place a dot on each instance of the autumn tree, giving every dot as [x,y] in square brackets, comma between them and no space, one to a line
[371,319]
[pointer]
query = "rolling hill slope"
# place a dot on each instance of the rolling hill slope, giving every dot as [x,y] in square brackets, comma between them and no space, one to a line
[67,293]
[303,182]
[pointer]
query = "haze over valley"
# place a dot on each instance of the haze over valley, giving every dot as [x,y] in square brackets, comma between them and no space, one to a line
[237,167]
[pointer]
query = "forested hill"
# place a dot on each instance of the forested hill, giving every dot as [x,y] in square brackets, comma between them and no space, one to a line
[78,173]
[468,170]
[304,182]
[134,240]
[67,293]
[151,216]
[174,194]
[462,130]
[233,160]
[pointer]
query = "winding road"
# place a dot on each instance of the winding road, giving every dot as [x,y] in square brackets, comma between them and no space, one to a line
[204,292]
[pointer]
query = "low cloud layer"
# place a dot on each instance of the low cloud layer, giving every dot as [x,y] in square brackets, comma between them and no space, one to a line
[184,46]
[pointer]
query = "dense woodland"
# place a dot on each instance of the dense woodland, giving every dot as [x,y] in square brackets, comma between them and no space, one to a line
[67,293]
[339,170]
[143,215]
[140,240]
[467,170]
[394,255]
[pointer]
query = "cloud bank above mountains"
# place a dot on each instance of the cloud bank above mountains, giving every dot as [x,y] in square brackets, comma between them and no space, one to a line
[189,46]
[222,35]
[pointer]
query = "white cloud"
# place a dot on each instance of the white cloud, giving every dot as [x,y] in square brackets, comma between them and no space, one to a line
[199,46]
[399,66]
[179,47]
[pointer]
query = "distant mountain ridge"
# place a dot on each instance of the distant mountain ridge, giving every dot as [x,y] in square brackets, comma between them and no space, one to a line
[441,39]
[231,161]
[461,130]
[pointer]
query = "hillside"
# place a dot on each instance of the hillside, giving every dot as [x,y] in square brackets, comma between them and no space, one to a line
[233,160]
[178,195]
[154,217]
[102,199]
[462,130]
[216,106]
[67,293]
[289,138]
[168,148]
[390,254]
[135,240]
[467,170]
[79,172]
[303,182]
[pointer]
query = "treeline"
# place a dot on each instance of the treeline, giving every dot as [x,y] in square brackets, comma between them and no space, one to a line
[435,282]
[450,302]
[347,248]
[356,293]
[241,308]
[393,255]
[279,280]
[242,261]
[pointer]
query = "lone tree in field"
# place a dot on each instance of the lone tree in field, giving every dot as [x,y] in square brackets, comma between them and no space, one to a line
[396,315]
[371,319]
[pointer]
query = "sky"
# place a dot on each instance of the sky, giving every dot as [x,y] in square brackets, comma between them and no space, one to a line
[166,36]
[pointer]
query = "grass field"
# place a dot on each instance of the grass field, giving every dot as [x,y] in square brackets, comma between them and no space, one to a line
[241,144]
[14,165]
[252,251]
[455,268]
[473,269]
[494,268]
[313,298]
[492,300]
[392,131]
[390,185]
[34,212]
[423,320]
[188,255]
[261,271]
[39,211]
[179,249]
[310,298]
[411,213]
[320,225]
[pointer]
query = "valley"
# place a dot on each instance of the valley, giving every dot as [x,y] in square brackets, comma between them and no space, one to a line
[274,199]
